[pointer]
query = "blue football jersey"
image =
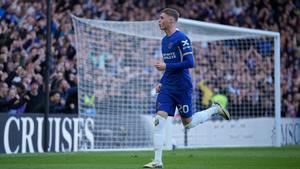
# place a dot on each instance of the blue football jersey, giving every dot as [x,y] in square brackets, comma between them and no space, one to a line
[178,56]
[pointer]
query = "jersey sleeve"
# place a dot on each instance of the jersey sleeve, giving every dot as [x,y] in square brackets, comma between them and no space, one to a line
[185,46]
[185,50]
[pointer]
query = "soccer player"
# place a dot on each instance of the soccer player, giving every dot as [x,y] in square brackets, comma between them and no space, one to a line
[175,88]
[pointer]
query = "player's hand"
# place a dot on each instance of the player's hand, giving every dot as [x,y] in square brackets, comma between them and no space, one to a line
[160,66]
[157,88]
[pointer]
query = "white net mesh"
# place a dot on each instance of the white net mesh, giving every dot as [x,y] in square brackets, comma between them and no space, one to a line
[116,75]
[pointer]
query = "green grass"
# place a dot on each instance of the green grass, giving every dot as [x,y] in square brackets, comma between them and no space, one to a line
[217,158]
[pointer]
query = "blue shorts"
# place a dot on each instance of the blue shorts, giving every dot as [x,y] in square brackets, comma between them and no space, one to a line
[167,101]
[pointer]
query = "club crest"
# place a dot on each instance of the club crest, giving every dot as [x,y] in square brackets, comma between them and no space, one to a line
[170,45]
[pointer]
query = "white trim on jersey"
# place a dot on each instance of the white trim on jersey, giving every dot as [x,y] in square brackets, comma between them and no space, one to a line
[187,53]
[181,56]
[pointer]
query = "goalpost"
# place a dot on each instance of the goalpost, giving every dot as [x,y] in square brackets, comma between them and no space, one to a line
[116,75]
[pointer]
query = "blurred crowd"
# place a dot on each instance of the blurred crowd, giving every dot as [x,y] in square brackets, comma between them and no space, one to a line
[242,79]
[22,59]
[23,41]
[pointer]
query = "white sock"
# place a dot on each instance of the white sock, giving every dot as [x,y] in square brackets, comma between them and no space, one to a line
[158,137]
[202,116]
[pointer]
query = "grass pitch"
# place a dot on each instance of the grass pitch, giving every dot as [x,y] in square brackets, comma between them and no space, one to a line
[208,158]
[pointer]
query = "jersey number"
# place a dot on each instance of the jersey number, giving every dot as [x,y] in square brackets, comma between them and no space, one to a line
[183,108]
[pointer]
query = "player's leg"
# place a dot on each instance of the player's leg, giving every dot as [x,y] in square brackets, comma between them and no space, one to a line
[190,120]
[205,115]
[158,139]
[165,107]
[184,107]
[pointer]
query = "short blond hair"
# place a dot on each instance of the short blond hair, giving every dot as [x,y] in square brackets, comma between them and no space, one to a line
[171,12]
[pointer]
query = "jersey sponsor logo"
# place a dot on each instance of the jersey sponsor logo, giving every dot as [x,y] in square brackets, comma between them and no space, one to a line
[168,56]
[185,44]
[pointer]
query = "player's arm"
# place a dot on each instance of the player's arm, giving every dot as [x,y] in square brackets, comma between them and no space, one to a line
[187,62]
[187,56]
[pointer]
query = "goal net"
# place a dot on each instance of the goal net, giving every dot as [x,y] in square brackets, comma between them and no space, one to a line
[234,66]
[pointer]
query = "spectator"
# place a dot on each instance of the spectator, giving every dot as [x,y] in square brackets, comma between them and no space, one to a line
[18,91]
[35,103]
[55,105]
[207,94]
[5,102]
